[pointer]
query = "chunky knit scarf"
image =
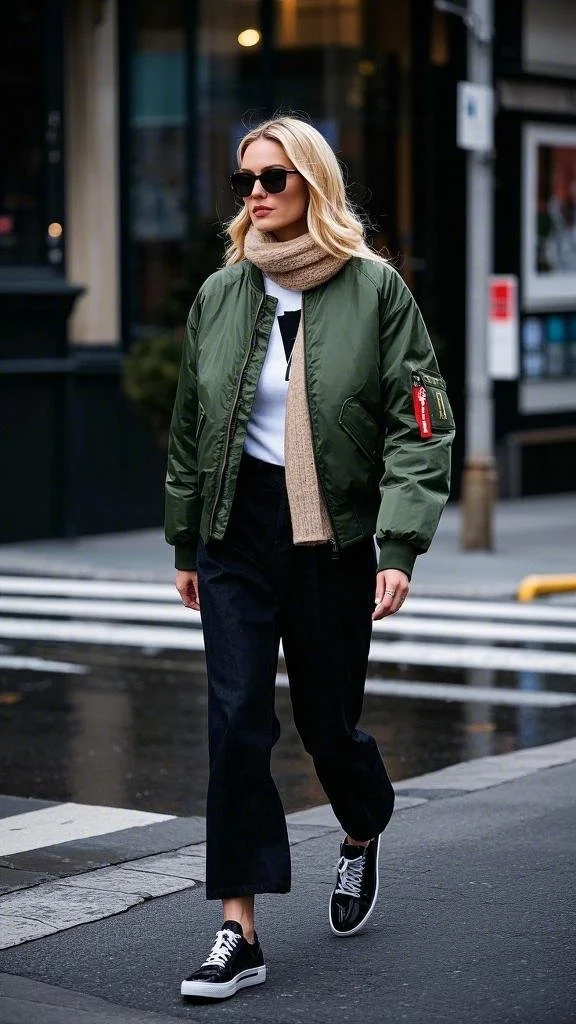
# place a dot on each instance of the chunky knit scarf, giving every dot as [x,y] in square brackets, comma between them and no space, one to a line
[298,265]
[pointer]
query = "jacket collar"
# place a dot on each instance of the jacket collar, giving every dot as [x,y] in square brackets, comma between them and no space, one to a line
[255,276]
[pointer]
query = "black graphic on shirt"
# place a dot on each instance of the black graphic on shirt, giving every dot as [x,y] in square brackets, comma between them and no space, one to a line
[288,324]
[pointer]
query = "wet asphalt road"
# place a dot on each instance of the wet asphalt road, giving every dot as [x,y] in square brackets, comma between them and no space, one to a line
[126,727]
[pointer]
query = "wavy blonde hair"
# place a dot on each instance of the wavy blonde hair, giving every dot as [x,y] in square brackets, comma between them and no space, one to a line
[331,220]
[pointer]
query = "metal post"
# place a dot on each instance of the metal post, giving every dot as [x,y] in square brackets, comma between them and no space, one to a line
[479,475]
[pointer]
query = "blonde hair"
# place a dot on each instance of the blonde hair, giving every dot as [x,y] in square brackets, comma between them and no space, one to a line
[331,220]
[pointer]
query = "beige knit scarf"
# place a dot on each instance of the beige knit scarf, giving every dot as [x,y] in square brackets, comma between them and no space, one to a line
[298,265]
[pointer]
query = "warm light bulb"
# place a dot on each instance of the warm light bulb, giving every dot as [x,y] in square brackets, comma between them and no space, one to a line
[366,68]
[249,37]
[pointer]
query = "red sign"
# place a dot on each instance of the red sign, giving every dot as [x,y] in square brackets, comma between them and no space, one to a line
[502,300]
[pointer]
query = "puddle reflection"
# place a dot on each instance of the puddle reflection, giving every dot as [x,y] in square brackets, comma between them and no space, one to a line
[131,732]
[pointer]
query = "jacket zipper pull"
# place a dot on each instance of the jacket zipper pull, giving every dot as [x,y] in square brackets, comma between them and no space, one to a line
[334,553]
[421,407]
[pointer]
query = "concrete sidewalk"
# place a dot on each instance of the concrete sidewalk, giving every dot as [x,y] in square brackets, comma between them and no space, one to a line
[474,922]
[532,535]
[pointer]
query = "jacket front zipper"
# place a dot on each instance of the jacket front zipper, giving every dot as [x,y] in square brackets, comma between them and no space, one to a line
[333,544]
[232,420]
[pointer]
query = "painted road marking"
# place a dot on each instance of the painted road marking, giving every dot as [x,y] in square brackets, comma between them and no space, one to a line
[501,610]
[125,611]
[384,652]
[147,591]
[87,588]
[466,694]
[167,638]
[497,631]
[51,826]
[472,656]
[22,664]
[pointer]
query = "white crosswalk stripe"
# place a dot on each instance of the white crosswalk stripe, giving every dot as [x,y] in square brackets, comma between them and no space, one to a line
[436,632]
[64,823]
[404,623]
[156,593]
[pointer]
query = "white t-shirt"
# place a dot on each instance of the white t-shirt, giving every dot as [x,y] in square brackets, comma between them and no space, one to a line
[265,437]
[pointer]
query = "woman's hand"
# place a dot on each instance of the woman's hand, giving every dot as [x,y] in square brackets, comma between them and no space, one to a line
[392,587]
[187,587]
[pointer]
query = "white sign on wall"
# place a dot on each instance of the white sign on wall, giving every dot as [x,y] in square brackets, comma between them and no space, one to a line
[475,117]
[503,341]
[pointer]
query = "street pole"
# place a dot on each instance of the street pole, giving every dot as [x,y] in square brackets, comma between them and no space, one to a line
[478,489]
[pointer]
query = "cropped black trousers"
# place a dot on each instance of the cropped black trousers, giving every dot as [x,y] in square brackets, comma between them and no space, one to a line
[257,588]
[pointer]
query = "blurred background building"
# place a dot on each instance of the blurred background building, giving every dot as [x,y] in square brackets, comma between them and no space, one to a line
[120,120]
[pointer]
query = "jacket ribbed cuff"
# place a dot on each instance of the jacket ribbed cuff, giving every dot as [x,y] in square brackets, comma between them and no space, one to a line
[185,556]
[397,554]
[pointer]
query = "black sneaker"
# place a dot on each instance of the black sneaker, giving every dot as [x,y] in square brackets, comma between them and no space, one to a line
[356,889]
[233,964]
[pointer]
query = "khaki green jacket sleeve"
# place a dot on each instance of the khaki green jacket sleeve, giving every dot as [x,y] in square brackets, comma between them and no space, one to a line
[183,506]
[416,481]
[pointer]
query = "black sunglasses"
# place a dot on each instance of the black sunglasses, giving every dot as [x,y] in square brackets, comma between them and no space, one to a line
[272,180]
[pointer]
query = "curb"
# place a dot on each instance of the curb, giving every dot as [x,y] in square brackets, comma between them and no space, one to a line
[459,779]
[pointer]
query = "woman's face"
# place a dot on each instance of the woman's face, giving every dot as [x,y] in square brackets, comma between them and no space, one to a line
[282,214]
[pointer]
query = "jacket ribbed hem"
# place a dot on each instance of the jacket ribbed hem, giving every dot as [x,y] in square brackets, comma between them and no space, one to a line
[185,557]
[397,554]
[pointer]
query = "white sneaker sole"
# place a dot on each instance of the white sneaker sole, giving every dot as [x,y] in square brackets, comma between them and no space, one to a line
[354,931]
[225,989]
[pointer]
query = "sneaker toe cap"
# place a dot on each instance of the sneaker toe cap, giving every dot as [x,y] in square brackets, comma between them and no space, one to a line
[345,913]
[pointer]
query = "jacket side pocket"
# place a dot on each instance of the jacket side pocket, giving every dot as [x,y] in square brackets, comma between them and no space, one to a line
[362,428]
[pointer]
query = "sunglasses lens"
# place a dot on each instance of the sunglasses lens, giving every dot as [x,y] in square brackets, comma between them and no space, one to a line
[274,180]
[242,183]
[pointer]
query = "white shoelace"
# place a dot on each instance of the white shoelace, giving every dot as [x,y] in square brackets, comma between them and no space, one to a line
[226,942]
[350,876]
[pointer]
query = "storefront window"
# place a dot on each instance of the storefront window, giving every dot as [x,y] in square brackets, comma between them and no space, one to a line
[229,97]
[158,199]
[199,80]
[345,63]
[193,79]
[22,186]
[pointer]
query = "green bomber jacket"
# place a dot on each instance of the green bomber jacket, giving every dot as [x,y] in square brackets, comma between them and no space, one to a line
[382,426]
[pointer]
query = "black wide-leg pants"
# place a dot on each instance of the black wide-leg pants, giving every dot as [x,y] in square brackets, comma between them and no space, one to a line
[256,587]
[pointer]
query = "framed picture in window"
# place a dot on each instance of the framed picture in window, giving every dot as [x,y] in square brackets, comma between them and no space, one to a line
[549,217]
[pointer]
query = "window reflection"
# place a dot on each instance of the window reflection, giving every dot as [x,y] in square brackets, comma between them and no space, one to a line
[201,79]
[303,23]
[158,148]
[21,144]
[346,63]
[229,98]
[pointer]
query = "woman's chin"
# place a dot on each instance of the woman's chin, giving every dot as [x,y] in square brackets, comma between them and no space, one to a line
[262,224]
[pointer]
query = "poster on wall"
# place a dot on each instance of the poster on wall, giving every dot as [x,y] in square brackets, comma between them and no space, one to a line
[549,217]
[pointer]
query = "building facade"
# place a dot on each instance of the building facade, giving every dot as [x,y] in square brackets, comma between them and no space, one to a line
[121,122]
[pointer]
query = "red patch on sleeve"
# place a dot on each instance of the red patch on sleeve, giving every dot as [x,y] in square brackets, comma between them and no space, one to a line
[421,407]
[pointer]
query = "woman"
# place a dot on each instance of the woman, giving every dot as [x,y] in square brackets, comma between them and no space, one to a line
[310,416]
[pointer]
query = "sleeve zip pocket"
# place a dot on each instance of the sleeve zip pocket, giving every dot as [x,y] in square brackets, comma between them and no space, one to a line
[430,402]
